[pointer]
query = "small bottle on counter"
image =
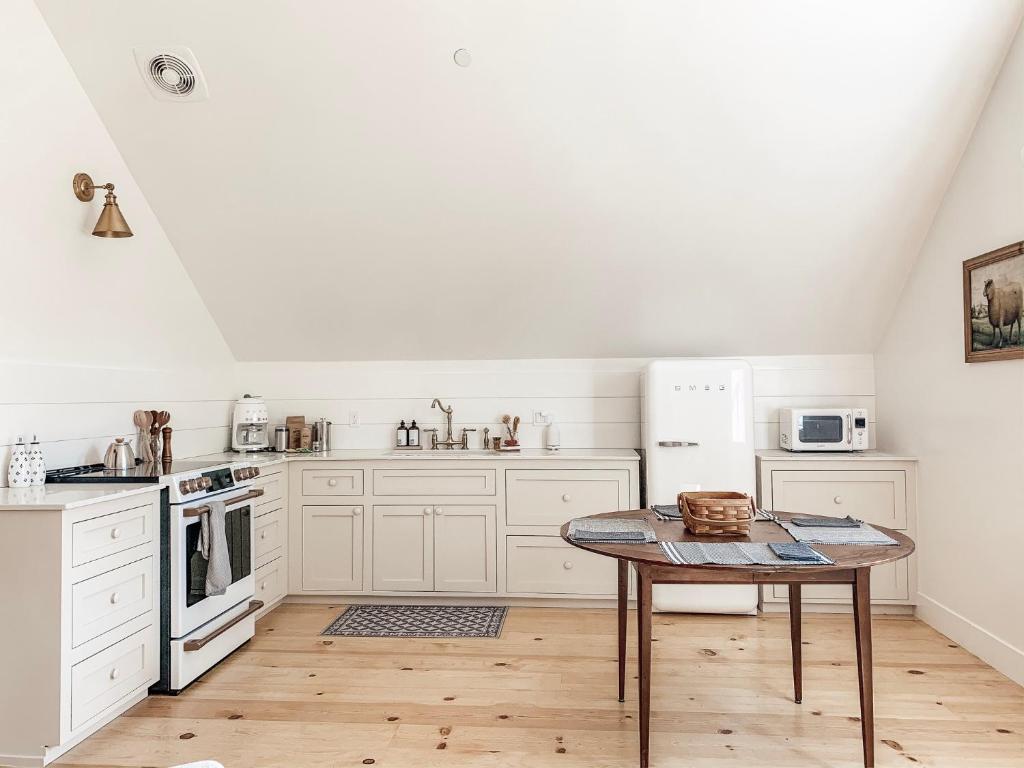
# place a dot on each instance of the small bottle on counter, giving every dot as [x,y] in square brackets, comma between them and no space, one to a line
[414,435]
[402,440]
[36,463]
[554,436]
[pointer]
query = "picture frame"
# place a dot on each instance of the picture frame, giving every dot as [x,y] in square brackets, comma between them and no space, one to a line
[993,305]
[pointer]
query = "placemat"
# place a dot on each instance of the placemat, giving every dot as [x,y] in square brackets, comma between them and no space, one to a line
[729,553]
[865,534]
[611,530]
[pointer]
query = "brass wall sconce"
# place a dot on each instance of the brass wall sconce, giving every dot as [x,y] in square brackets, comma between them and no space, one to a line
[111,223]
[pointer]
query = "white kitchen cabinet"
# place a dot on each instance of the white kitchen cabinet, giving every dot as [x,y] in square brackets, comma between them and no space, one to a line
[871,486]
[82,644]
[270,524]
[465,542]
[451,525]
[403,548]
[332,548]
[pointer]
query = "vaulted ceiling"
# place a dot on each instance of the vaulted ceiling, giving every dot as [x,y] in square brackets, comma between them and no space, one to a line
[607,178]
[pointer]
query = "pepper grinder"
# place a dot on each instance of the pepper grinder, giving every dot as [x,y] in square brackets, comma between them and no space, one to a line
[166,453]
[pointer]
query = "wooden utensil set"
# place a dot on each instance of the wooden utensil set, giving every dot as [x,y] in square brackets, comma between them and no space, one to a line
[153,424]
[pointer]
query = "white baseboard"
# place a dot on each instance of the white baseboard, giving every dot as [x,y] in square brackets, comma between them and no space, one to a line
[992,650]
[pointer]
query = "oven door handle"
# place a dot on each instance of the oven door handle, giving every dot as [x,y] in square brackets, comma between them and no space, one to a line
[255,493]
[199,643]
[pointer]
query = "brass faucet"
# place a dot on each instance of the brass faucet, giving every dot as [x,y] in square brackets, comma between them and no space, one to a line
[449,441]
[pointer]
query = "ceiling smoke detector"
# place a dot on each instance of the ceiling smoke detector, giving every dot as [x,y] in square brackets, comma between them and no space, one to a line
[171,73]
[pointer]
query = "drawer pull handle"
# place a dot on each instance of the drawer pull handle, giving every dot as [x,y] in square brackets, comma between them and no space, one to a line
[332,482]
[438,511]
[357,512]
[263,586]
[115,598]
[566,497]
[115,533]
[114,672]
[426,510]
[837,499]
[567,565]
[263,534]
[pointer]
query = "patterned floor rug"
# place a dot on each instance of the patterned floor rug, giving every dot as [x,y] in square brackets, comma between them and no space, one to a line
[419,621]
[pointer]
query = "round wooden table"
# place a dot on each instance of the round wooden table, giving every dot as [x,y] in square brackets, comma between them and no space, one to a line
[852,566]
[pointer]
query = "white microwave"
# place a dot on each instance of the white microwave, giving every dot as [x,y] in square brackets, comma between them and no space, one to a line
[823,429]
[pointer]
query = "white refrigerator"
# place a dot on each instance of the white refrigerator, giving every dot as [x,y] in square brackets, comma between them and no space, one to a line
[697,430]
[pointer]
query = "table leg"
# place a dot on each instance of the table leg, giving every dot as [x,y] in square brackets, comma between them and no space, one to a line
[643,623]
[623,597]
[862,628]
[794,639]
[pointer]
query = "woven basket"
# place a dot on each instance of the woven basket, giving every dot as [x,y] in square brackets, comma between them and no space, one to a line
[717,513]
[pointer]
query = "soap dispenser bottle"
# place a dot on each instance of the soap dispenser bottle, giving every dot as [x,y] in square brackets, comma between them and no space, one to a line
[36,464]
[414,435]
[402,440]
[17,470]
[554,437]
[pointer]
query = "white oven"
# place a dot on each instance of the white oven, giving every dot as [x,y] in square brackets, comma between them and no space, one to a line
[823,429]
[203,629]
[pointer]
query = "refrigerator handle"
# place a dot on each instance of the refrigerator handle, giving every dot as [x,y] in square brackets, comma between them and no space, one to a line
[676,444]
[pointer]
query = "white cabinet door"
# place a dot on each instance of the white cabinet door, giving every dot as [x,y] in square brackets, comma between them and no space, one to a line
[332,548]
[465,548]
[403,548]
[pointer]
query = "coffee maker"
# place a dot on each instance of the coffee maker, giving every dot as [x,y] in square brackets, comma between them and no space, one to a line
[249,430]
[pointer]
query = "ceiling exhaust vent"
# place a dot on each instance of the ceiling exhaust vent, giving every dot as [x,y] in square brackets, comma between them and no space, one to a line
[171,74]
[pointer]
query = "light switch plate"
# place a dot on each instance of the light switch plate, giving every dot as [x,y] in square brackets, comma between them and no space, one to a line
[353,418]
[541,418]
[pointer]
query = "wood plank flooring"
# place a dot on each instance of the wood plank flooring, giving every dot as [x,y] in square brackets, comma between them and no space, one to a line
[544,694]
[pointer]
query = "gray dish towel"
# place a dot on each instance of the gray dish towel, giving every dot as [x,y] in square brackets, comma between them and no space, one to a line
[213,544]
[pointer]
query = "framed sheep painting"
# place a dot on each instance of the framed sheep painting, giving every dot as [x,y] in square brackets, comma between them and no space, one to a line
[994,305]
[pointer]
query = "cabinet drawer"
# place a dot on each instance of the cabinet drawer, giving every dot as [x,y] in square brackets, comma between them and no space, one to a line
[110,534]
[546,564]
[875,496]
[889,583]
[553,496]
[113,673]
[269,533]
[433,482]
[270,581]
[332,482]
[273,491]
[109,600]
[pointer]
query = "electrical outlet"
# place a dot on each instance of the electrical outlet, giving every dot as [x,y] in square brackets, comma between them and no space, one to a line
[353,418]
[541,418]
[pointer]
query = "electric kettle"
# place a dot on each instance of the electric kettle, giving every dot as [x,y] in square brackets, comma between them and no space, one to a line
[119,455]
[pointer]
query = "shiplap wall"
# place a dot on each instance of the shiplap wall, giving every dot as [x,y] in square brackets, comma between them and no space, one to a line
[78,410]
[595,402]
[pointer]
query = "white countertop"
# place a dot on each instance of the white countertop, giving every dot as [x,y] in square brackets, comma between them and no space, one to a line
[389,454]
[777,454]
[68,495]
[71,495]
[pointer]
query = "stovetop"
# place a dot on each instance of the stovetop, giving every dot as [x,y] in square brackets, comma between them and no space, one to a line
[150,472]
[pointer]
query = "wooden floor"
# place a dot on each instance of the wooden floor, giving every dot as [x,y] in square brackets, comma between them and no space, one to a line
[544,695]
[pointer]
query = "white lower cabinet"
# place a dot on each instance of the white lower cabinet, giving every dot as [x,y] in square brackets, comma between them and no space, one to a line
[465,548]
[332,548]
[403,548]
[548,565]
[434,548]
[451,526]
[83,643]
[870,486]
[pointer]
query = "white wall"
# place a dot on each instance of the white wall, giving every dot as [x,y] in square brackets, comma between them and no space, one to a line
[596,402]
[966,422]
[90,328]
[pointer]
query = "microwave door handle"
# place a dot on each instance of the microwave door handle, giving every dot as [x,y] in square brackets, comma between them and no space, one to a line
[849,429]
